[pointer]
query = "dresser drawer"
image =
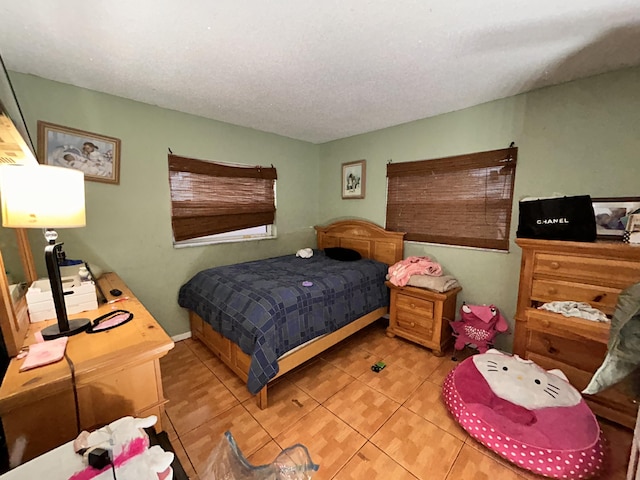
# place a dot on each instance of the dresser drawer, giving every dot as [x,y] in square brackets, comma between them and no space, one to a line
[587,354]
[577,377]
[573,328]
[602,298]
[621,396]
[598,271]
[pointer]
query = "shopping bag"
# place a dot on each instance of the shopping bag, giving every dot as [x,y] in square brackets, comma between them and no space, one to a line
[561,218]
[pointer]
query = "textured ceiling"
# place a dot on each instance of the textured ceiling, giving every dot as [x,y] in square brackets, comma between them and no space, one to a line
[318,70]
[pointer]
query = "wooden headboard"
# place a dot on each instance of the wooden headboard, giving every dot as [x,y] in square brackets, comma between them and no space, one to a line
[367,238]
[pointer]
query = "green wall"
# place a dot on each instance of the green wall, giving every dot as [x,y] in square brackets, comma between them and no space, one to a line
[576,138]
[128,225]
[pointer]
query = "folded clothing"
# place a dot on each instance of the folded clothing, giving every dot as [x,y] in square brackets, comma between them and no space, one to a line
[400,272]
[437,284]
[575,309]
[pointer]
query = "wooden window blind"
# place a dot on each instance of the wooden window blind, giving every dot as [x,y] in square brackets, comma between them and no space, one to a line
[209,198]
[461,200]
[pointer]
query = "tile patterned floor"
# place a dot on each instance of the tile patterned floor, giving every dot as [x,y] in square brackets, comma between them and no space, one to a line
[356,424]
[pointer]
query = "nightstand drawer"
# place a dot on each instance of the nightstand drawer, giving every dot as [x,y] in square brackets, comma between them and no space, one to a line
[602,298]
[598,271]
[413,306]
[416,326]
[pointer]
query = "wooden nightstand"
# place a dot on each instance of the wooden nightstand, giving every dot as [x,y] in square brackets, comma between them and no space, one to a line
[422,316]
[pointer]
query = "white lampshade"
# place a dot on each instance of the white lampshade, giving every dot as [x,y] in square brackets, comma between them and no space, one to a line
[41,196]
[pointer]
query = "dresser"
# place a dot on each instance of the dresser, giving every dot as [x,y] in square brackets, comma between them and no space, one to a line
[422,316]
[104,376]
[575,271]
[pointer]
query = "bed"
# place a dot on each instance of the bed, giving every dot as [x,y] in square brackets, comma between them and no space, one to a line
[265,318]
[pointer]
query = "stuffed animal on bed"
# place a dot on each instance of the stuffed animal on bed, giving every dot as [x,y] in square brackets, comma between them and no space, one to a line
[478,325]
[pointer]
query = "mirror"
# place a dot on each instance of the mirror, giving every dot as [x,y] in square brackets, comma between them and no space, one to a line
[15,252]
[16,274]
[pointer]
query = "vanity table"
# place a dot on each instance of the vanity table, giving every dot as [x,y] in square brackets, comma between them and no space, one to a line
[104,376]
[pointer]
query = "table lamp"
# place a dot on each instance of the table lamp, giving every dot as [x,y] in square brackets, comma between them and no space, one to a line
[46,197]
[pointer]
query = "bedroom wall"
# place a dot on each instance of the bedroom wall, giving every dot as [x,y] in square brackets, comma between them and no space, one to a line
[580,137]
[577,138]
[128,225]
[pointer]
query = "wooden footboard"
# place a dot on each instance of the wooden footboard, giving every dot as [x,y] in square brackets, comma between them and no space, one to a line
[239,362]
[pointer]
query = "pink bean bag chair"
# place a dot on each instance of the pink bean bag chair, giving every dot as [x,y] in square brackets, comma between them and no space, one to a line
[531,417]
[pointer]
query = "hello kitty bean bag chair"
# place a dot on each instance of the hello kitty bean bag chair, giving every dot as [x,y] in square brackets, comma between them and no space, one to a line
[531,417]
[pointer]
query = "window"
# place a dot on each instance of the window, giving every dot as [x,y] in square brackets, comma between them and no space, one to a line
[462,200]
[210,198]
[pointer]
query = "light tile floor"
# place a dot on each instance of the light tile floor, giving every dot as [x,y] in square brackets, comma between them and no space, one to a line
[356,424]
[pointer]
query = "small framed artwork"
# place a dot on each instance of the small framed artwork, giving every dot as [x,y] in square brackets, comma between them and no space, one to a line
[633,223]
[353,179]
[612,215]
[98,156]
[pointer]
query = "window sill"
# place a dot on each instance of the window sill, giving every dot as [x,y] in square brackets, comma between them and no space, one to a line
[202,243]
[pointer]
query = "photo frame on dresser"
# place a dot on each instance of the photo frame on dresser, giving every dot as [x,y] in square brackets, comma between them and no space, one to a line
[612,215]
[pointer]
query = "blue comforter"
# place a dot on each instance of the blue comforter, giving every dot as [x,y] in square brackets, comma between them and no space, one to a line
[263,307]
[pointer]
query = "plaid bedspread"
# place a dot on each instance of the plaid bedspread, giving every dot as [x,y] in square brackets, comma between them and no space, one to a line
[263,307]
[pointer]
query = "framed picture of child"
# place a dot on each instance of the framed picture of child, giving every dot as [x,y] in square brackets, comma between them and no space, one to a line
[353,179]
[98,156]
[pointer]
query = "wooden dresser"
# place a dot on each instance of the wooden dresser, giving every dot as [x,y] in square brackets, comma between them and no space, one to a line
[422,316]
[104,376]
[575,271]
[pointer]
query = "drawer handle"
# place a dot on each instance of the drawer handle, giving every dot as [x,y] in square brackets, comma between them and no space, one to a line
[555,265]
[413,324]
[553,290]
[412,305]
[550,348]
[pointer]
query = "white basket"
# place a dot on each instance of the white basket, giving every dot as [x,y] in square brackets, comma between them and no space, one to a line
[79,297]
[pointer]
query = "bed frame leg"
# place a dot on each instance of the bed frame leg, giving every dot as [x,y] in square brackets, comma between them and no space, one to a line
[261,398]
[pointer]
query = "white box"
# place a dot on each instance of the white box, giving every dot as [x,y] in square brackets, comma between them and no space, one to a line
[79,297]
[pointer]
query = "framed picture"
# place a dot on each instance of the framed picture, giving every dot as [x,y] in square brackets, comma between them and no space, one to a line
[633,223]
[96,155]
[353,179]
[612,215]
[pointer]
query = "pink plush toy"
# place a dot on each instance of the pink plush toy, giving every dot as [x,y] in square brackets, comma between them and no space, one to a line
[478,325]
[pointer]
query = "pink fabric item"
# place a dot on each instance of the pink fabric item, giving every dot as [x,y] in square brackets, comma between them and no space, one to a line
[44,353]
[556,442]
[136,447]
[400,272]
[478,325]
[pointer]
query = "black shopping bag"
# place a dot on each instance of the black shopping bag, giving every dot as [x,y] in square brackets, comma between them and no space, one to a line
[562,218]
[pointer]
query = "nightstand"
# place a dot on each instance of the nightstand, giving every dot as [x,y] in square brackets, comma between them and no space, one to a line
[422,316]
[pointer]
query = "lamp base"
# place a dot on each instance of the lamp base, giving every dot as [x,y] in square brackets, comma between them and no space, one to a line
[76,326]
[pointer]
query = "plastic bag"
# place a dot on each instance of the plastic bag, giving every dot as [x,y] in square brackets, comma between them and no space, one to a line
[226,462]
